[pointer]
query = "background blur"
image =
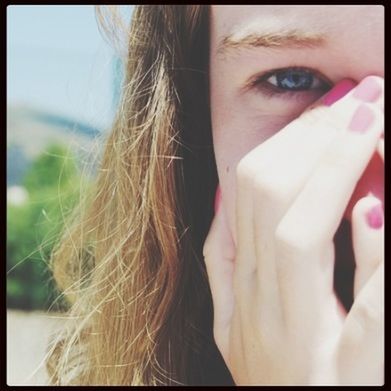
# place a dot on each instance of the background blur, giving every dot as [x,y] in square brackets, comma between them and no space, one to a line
[63,85]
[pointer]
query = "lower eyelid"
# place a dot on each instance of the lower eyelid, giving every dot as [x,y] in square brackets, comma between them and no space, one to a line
[271,90]
[268,92]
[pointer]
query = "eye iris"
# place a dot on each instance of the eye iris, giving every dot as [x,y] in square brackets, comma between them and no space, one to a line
[294,80]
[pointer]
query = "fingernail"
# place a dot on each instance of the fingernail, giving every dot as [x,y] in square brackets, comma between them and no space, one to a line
[217,199]
[338,91]
[368,90]
[374,217]
[362,119]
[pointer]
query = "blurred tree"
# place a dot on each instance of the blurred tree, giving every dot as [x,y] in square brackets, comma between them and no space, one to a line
[53,183]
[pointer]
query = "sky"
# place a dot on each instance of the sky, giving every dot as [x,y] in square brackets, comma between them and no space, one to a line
[58,61]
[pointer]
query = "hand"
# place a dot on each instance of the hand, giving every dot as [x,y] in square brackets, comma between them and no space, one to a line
[277,319]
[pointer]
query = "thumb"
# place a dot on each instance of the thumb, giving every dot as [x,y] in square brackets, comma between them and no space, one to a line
[218,254]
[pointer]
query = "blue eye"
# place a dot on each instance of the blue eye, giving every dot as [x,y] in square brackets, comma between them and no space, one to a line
[291,80]
[295,80]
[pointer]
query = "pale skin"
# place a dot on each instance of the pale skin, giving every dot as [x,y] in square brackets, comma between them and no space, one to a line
[291,168]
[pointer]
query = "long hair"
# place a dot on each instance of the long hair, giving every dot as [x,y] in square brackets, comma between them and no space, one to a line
[130,261]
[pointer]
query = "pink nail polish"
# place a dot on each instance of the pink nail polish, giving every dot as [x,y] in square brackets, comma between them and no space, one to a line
[368,90]
[217,199]
[362,119]
[374,217]
[338,91]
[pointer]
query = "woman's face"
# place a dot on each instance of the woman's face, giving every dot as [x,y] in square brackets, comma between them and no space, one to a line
[269,63]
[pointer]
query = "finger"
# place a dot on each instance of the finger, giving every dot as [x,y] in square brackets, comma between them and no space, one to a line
[368,236]
[219,254]
[313,218]
[360,355]
[370,93]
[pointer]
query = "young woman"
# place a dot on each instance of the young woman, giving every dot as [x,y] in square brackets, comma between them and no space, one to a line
[284,285]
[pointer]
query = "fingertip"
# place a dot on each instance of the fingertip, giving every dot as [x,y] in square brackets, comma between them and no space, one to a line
[370,89]
[368,210]
[368,239]
[374,216]
[338,92]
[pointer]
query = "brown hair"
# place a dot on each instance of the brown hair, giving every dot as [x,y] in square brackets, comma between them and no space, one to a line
[131,259]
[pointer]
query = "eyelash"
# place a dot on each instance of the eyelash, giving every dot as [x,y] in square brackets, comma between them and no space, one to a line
[261,84]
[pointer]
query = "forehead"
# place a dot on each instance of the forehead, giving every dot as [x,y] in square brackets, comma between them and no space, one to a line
[330,19]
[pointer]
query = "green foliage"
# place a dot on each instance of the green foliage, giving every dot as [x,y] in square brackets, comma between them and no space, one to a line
[53,184]
[54,168]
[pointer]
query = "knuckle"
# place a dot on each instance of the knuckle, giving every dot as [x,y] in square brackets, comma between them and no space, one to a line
[368,316]
[363,205]
[245,169]
[292,241]
[254,173]
[269,187]
[359,325]
[265,185]
[256,161]
[351,338]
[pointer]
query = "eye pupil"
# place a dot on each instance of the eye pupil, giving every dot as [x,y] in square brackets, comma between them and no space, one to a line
[294,80]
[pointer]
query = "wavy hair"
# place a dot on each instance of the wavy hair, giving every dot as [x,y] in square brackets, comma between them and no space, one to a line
[130,260]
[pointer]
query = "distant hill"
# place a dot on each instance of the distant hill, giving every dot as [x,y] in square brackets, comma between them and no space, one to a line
[29,131]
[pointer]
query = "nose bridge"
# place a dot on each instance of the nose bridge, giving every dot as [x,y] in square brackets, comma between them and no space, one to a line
[368,68]
[363,60]
[361,41]
[370,60]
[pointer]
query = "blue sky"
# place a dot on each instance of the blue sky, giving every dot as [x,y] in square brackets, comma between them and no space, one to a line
[58,61]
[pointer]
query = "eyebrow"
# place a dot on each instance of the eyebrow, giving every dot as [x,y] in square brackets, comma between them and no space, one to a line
[278,39]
